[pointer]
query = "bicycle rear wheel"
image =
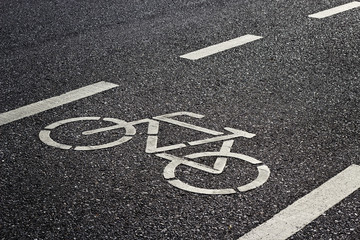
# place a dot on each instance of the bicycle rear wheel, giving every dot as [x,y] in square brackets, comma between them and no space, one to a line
[45,135]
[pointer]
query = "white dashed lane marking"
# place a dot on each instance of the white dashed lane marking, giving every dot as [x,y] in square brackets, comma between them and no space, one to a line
[302,212]
[53,102]
[336,10]
[220,47]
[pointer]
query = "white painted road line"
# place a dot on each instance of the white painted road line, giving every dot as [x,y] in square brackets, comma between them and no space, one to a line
[335,10]
[220,47]
[308,208]
[53,102]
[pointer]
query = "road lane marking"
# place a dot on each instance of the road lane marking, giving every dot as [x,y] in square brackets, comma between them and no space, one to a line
[336,10]
[302,212]
[220,47]
[53,102]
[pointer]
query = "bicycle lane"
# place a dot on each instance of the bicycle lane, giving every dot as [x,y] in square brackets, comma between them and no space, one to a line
[90,173]
[131,192]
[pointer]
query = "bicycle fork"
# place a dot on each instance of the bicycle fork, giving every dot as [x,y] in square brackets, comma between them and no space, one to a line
[218,167]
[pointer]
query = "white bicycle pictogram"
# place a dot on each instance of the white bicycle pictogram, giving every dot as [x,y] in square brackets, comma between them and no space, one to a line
[151,147]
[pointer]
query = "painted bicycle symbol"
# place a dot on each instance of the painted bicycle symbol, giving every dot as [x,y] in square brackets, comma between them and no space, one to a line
[151,147]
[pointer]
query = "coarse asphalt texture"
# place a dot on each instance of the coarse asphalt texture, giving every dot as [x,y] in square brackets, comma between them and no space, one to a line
[297,89]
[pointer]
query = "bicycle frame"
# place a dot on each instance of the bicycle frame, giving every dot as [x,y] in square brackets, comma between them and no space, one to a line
[153,130]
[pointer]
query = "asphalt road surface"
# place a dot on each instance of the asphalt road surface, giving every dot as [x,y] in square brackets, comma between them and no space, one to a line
[213,119]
